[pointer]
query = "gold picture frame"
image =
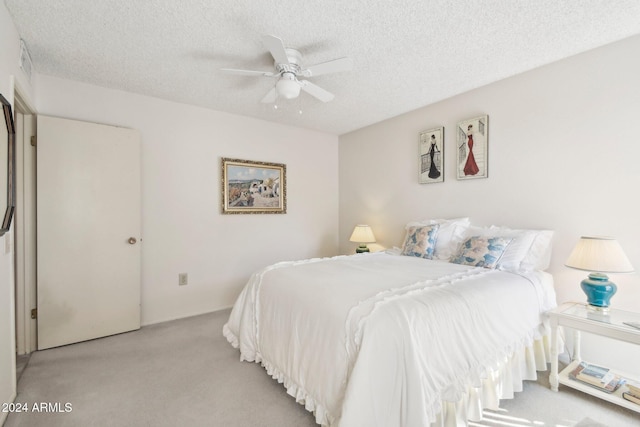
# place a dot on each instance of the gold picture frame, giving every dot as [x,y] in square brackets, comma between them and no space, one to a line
[252,187]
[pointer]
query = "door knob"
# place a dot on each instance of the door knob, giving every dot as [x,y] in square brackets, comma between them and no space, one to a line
[132,240]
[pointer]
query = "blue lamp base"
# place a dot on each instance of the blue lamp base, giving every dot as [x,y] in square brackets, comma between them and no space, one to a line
[599,290]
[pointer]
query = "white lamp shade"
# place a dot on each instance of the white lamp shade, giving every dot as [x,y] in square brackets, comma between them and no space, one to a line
[362,234]
[599,254]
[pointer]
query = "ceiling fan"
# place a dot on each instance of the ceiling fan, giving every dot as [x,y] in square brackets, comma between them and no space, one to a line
[289,69]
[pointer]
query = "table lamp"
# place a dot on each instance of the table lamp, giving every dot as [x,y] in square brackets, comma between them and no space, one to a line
[362,234]
[599,255]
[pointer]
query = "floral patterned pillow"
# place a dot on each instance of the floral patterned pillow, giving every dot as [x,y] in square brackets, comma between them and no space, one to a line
[482,251]
[420,241]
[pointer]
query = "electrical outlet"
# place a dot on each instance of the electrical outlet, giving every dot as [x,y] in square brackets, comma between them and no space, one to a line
[183,279]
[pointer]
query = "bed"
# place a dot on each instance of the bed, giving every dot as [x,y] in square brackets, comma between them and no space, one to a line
[427,335]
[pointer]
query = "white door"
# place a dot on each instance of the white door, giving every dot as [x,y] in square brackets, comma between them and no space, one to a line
[89,226]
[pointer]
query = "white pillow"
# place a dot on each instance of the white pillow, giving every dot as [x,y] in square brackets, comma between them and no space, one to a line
[450,235]
[538,255]
[529,250]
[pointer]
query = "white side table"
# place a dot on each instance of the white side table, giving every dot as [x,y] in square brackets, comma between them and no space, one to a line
[579,318]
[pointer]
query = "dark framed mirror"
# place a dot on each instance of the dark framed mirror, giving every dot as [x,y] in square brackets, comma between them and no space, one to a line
[7,166]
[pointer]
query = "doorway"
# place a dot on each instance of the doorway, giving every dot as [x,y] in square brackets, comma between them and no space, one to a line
[24,228]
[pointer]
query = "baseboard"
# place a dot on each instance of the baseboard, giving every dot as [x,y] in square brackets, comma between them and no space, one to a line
[186,316]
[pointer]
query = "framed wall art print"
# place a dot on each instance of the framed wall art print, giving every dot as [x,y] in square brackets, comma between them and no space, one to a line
[473,149]
[250,187]
[432,156]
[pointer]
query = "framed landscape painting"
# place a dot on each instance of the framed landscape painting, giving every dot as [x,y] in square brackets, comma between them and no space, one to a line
[432,155]
[251,187]
[473,148]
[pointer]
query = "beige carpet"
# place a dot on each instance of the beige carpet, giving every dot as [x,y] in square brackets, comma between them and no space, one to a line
[184,373]
[588,422]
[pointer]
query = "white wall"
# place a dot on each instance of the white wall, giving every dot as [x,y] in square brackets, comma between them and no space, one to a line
[564,152]
[10,73]
[183,229]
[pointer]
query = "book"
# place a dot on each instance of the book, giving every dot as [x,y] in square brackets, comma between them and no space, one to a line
[634,392]
[634,387]
[610,387]
[597,376]
[631,397]
[594,374]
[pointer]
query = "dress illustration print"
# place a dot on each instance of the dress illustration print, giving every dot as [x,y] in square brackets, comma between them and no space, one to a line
[470,168]
[433,170]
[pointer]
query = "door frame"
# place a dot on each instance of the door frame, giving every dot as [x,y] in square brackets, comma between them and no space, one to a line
[24,230]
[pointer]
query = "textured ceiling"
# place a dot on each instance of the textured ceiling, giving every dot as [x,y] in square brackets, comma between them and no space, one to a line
[406,53]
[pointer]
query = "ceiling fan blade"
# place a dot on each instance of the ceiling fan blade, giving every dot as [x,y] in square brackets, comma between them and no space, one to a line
[247,72]
[334,66]
[316,91]
[270,97]
[276,47]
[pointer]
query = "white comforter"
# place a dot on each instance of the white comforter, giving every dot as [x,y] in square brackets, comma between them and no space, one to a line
[381,339]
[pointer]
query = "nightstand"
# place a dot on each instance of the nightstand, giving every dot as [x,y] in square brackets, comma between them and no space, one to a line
[580,318]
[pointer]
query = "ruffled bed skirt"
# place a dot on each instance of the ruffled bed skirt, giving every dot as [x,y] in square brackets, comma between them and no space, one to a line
[499,383]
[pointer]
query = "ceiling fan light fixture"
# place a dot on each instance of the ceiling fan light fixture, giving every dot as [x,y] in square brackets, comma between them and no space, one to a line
[288,69]
[287,87]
